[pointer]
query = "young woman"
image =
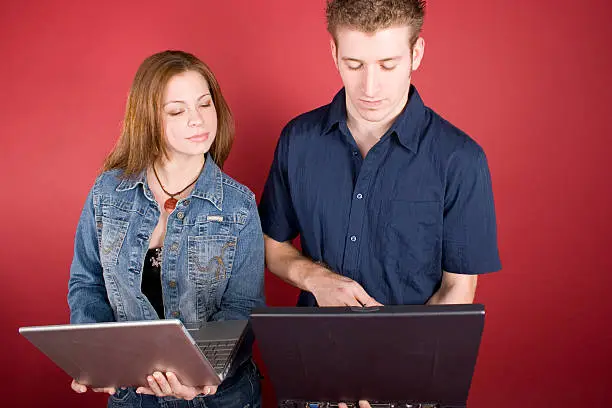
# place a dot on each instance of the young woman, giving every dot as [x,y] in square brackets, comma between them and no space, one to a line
[165,233]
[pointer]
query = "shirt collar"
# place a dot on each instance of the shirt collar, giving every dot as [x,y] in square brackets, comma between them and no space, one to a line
[408,126]
[208,187]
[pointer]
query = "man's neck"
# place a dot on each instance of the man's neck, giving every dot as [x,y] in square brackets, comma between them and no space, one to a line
[367,134]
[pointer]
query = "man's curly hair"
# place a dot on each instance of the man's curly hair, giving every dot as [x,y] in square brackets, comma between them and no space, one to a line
[370,16]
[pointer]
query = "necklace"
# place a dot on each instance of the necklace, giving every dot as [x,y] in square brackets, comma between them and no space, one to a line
[170,204]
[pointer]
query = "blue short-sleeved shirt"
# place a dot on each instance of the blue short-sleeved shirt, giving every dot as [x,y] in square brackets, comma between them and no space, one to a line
[420,202]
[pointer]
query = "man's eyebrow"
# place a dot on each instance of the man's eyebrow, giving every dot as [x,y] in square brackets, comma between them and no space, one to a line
[381,60]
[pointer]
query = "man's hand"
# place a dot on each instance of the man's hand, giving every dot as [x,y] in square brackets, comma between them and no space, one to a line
[331,289]
[362,404]
[168,385]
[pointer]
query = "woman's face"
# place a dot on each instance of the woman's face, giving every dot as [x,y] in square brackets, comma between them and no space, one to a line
[189,116]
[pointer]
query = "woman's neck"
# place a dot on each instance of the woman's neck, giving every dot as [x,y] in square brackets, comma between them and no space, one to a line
[175,174]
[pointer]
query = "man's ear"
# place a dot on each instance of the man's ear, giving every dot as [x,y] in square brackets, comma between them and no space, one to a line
[417,53]
[334,51]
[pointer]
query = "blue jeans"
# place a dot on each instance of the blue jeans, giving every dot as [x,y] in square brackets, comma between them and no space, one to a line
[242,390]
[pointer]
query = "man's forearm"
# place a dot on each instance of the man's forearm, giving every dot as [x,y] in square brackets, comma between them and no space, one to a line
[455,289]
[285,261]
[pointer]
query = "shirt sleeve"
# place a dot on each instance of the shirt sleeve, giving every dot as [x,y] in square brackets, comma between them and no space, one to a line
[278,218]
[469,229]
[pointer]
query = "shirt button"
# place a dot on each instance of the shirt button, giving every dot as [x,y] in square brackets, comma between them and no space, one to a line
[359,196]
[355,152]
[174,246]
[176,314]
[353,238]
[180,215]
[172,284]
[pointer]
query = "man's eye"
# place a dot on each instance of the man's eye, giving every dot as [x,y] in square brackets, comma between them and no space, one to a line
[354,67]
[388,67]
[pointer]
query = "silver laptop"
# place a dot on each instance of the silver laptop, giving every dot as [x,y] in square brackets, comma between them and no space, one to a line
[122,354]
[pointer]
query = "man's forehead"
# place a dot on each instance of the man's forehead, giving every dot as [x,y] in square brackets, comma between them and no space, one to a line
[399,31]
[383,44]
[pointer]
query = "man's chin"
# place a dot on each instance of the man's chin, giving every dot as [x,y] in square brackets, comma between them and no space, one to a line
[373,115]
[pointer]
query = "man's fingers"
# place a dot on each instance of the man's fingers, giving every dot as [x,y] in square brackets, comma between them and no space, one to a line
[374,302]
[364,404]
[351,301]
[362,296]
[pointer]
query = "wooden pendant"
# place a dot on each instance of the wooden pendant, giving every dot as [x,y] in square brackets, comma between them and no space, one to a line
[170,204]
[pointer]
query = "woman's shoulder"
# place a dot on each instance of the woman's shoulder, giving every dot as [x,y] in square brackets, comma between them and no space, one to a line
[114,181]
[235,188]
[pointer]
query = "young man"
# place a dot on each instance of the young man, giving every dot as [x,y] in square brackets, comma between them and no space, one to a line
[392,203]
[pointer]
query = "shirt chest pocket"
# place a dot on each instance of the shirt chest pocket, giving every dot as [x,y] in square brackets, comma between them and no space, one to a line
[413,230]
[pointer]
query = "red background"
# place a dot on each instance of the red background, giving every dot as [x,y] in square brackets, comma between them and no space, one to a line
[529,80]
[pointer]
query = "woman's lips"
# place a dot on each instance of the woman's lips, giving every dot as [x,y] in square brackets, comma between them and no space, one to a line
[202,137]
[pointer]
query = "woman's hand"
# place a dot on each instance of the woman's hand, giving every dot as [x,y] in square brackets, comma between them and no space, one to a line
[80,388]
[168,385]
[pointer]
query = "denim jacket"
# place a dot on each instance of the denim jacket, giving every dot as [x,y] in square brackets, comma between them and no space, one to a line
[212,262]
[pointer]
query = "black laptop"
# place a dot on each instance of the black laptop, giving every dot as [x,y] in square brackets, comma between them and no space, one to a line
[393,356]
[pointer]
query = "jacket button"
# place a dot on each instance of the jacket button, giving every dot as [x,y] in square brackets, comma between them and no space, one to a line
[180,215]
[172,284]
[176,314]
[174,246]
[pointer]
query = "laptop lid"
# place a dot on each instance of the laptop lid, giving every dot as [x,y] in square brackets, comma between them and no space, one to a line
[120,354]
[409,354]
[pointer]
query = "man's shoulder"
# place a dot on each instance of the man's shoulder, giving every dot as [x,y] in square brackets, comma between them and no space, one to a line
[308,124]
[448,140]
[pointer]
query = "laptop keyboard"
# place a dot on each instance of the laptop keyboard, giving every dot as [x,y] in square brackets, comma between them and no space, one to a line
[217,352]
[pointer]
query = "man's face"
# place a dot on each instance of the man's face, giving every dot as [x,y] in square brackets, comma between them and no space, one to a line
[375,69]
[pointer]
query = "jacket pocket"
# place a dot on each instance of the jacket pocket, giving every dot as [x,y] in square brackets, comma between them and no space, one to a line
[210,258]
[112,234]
